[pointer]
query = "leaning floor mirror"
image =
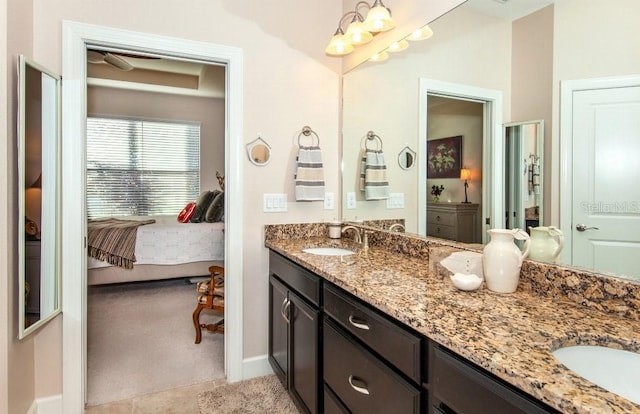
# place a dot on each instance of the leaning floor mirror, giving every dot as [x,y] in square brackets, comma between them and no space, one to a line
[38,195]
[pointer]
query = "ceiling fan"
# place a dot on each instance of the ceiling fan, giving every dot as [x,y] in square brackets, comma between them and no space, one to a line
[114,59]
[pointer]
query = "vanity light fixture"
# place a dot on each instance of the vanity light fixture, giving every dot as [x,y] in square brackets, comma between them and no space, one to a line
[465,175]
[423,33]
[379,57]
[360,30]
[398,46]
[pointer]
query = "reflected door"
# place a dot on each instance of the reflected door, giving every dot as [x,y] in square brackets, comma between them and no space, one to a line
[606,167]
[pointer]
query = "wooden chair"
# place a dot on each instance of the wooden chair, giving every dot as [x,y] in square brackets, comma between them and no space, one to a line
[210,296]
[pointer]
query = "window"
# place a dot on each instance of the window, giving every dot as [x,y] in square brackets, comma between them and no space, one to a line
[140,168]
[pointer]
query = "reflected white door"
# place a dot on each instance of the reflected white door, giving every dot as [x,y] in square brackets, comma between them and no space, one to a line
[606,180]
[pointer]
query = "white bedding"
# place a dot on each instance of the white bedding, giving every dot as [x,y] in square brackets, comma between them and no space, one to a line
[175,243]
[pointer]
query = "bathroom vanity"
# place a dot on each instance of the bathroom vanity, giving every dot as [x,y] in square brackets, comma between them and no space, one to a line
[382,331]
[370,362]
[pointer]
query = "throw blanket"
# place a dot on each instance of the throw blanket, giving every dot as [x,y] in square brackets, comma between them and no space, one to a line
[114,240]
[309,176]
[373,175]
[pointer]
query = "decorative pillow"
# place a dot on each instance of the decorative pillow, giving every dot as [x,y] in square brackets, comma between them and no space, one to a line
[202,204]
[187,212]
[215,212]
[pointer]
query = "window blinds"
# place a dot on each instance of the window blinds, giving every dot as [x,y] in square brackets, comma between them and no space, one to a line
[140,168]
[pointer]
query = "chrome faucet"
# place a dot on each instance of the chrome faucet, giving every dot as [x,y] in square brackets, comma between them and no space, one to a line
[356,233]
[399,227]
[360,236]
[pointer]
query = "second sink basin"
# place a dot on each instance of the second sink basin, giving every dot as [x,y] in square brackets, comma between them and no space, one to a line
[615,370]
[328,251]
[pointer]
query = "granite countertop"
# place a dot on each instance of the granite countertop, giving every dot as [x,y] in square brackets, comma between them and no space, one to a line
[509,335]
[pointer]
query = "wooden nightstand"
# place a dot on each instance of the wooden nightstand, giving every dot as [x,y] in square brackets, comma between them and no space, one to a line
[32,276]
[453,221]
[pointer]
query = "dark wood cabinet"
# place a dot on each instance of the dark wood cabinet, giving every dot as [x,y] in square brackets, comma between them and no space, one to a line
[460,387]
[362,381]
[294,331]
[337,354]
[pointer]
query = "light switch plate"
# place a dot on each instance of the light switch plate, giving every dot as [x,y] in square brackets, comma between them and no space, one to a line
[395,200]
[274,203]
[329,201]
[351,200]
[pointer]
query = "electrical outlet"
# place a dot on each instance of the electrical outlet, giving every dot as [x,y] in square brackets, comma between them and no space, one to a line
[351,200]
[328,201]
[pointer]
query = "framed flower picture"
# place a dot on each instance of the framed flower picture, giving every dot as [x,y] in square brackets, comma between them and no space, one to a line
[444,157]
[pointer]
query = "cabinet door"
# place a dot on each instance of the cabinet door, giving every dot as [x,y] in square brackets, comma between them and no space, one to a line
[278,330]
[303,348]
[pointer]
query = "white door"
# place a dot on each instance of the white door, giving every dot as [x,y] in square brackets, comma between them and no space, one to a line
[606,180]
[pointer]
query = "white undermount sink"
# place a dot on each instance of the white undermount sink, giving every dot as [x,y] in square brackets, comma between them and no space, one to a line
[615,370]
[328,251]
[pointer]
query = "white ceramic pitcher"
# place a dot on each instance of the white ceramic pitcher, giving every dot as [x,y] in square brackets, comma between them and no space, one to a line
[502,259]
[546,244]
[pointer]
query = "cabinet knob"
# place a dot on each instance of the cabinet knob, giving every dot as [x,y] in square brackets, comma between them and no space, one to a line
[438,218]
[358,324]
[361,389]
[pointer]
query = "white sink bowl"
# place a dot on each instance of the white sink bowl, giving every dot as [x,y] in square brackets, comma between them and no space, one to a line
[615,370]
[328,251]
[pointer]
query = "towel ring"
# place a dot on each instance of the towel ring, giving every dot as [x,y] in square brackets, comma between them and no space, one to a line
[307,131]
[371,136]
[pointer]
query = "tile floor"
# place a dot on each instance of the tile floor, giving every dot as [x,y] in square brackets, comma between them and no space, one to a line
[182,400]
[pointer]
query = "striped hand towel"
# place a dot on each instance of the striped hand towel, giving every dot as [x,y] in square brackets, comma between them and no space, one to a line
[373,175]
[309,176]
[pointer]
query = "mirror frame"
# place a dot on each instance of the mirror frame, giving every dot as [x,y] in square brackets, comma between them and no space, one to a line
[256,143]
[50,196]
[540,150]
[407,150]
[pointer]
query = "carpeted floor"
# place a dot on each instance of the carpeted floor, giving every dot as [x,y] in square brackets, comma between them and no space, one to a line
[255,396]
[141,339]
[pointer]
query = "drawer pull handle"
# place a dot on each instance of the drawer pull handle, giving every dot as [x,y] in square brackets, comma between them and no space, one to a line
[358,324]
[284,309]
[438,218]
[361,390]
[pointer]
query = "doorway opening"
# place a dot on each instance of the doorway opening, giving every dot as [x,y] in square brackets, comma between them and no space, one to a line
[77,38]
[492,158]
[155,142]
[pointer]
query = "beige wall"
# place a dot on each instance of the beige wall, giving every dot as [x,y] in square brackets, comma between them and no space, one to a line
[384,97]
[288,83]
[532,84]
[17,357]
[209,112]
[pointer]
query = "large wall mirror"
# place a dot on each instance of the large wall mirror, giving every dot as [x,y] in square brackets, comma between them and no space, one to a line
[39,200]
[525,50]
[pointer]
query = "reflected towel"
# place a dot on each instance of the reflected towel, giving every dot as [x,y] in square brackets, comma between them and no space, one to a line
[373,175]
[535,178]
[309,177]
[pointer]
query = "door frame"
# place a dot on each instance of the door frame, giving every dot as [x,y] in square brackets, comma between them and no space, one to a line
[567,89]
[492,147]
[76,38]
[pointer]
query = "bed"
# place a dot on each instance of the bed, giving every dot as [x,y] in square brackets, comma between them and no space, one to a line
[166,249]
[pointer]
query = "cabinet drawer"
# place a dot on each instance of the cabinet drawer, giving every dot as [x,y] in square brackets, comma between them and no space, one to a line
[362,382]
[299,279]
[332,404]
[395,344]
[438,217]
[440,230]
[466,389]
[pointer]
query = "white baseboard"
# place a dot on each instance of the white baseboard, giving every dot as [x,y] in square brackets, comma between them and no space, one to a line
[47,405]
[256,367]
